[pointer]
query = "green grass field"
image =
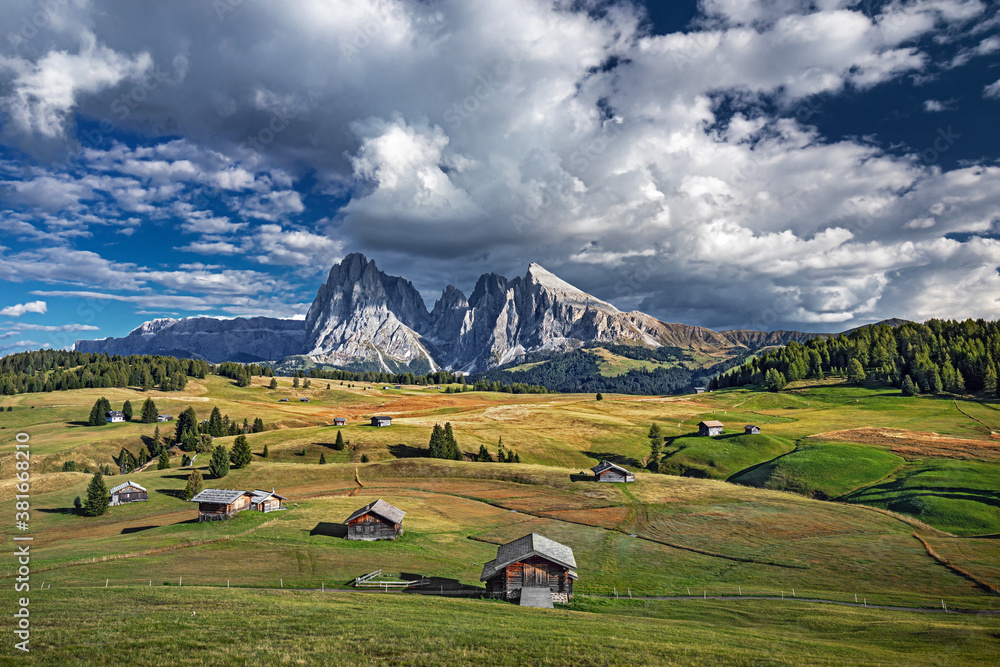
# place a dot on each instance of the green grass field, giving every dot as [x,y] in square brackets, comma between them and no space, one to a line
[664,535]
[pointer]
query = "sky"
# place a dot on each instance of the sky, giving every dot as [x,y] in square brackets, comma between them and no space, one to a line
[790,164]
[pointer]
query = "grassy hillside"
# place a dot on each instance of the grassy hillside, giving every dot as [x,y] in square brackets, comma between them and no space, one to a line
[154,626]
[906,467]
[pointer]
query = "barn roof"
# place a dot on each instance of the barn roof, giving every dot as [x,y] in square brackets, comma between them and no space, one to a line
[259,495]
[711,423]
[125,484]
[220,496]
[381,417]
[608,465]
[751,426]
[532,544]
[381,508]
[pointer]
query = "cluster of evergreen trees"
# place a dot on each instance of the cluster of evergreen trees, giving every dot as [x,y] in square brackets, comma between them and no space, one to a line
[509,456]
[443,445]
[61,370]
[937,356]
[242,372]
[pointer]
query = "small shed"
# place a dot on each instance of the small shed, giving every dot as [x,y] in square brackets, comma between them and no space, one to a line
[375,521]
[710,427]
[284,400]
[396,386]
[700,390]
[218,504]
[114,416]
[127,492]
[531,562]
[339,421]
[381,421]
[605,471]
[165,418]
[751,429]
[265,501]
[304,399]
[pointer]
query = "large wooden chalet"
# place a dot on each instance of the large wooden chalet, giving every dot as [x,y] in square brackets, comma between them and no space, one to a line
[710,427]
[127,492]
[381,421]
[265,501]
[605,471]
[218,504]
[376,521]
[531,562]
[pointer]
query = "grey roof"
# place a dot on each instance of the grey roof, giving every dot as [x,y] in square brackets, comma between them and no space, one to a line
[383,509]
[608,465]
[123,485]
[116,413]
[259,495]
[532,544]
[220,496]
[382,417]
[751,426]
[711,423]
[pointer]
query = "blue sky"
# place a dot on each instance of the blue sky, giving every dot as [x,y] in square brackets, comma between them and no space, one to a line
[727,163]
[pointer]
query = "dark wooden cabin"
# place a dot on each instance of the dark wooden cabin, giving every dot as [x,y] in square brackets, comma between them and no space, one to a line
[339,421]
[605,471]
[381,421]
[376,521]
[751,429]
[532,561]
[265,501]
[127,492]
[711,427]
[218,504]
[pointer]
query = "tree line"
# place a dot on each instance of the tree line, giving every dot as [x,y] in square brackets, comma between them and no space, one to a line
[937,356]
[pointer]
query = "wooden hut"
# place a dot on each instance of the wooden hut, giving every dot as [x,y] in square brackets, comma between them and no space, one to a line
[381,421]
[127,492]
[605,471]
[531,562]
[339,421]
[218,504]
[710,427]
[265,501]
[376,521]
[751,429]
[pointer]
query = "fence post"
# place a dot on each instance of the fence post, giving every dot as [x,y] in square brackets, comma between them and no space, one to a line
[150,583]
[741,590]
[106,582]
[281,583]
[793,592]
[689,591]
[322,586]
[227,583]
[629,592]
[180,581]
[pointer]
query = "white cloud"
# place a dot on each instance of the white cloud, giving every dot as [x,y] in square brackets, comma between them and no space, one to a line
[992,90]
[21,308]
[17,326]
[937,106]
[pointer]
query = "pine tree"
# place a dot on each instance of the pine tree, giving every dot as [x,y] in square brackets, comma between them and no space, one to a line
[215,428]
[990,381]
[157,440]
[339,442]
[77,503]
[98,497]
[274,383]
[187,424]
[655,442]
[264,453]
[164,461]
[143,459]
[322,458]
[258,425]
[855,372]
[517,458]
[364,458]
[127,411]
[600,397]
[219,464]
[484,455]
[97,417]
[149,413]
[909,389]
[774,380]
[195,484]
[451,447]
[295,381]
[436,446]
[241,454]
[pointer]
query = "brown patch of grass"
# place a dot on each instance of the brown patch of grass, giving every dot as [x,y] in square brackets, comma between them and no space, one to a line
[913,444]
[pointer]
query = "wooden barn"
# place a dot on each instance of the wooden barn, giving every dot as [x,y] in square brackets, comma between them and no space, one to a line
[751,429]
[127,492]
[218,504]
[381,421]
[711,427]
[605,471]
[530,563]
[376,521]
[339,421]
[265,501]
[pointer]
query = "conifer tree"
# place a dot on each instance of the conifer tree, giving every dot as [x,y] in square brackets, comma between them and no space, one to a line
[164,461]
[219,463]
[77,503]
[215,428]
[484,455]
[655,442]
[258,426]
[364,458]
[195,484]
[600,396]
[339,442]
[436,446]
[264,453]
[990,381]
[451,447]
[98,496]
[143,458]
[187,424]
[274,383]
[127,411]
[909,389]
[149,413]
[241,455]
[97,417]
[322,458]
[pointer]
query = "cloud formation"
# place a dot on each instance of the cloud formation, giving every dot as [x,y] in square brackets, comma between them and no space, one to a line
[21,308]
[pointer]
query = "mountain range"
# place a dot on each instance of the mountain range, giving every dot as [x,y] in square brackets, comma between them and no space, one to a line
[364,319]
